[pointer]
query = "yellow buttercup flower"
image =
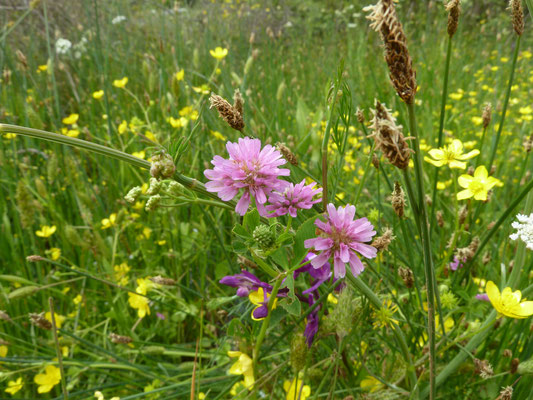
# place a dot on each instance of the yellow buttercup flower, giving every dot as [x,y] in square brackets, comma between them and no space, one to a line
[243,366]
[14,386]
[451,155]
[180,75]
[46,231]
[3,351]
[139,154]
[54,253]
[78,299]
[109,222]
[140,303]
[10,135]
[58,318]
[71,119]
[295,389]
[42,68]
[178,122]
[477,186]
[120,83]
[98,94]
[219,53]
[509,303]
[50,378]
[123,127]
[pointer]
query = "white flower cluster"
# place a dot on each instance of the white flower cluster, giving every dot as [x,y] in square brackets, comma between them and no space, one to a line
[118,19]
[63,46]
[524,227]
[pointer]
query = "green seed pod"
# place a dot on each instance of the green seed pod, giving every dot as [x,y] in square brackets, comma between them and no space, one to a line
[175,188]
[152,350]
[22,292]
[162,166]
[526,367]
[41,188]
[133,194]
[264,237]
[248,65]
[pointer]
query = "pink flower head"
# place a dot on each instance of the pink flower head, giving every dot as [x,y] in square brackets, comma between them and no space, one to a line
[342,238]
[292,198]
[250,168]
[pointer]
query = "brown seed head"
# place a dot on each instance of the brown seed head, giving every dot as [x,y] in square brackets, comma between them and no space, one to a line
[486,258]
[118,339]
[238,101]
[22,59]
[5,316]
[506,393]
[375,161]
[487,115]
[407,276]
[163,281]
[388,136]
[440,219]
[40,321]
[246,262]
[514,365]
[228,113]
[34,258]
[287,153]
[528,143]
[463,213]
[360,116]
[382,242]
[454,9]
[517,16]
[398,200]
[483,368]
[401,72]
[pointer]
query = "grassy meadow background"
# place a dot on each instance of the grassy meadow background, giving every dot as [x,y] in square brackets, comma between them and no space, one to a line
[282,55]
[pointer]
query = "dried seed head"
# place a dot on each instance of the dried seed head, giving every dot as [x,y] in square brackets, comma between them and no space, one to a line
[514,365]
[375,161]
[398,200]
[440,219]
[483,368]
[163,281]
[22,59]
[429,200]
[486,258]
[463,213]
[382,242]
[407,276]
[506,393]
[454,9]
[4,316]
[360,116]
[228,112]
[487,115]
[120,339]
[470,170]
[238,102]
[388,136]
[40,321]
[401,72]
[507,353]
[34,258]
[517,15]
[287,153]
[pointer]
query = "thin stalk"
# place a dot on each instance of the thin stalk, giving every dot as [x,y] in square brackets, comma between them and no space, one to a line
[58,349]
[367,169]
[442,115]
[520,257]
[505,104]
[325,141]
[266,321]
[478,159]
[428,261]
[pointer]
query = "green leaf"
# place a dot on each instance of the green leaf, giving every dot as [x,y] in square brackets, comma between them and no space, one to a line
[280,257]
[306,231]
[241,232]
[291,303]
[251,220]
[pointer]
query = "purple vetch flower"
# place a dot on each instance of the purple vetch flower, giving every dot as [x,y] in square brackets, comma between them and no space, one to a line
[342,238]
[245,282]
[160,316]
[250,168]
[311,328]
[456,263]
[482,297]
[292,198]
[319,275]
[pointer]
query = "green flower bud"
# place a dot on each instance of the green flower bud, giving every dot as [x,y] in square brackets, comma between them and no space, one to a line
[264,237]
[155,187]
[133,194]
[526,367]
[162,166]
[174,188]
[153,203]
[298,352]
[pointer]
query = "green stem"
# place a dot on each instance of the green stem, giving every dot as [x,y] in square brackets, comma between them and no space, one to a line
[266,321]
[478,159]
[442,115]
[428,262]
[520,257]
[367,169]
[505,104]
[325,141]
[398,334]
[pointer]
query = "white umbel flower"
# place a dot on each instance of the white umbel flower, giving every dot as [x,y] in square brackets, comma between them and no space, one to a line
[63,46]
[524,227]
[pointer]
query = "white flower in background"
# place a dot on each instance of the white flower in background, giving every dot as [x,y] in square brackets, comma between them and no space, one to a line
[118,19]
[63,46]
[524,228]
[80,47]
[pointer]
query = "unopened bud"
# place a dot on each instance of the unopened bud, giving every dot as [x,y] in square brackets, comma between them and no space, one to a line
[152,203]
[264,237]
[162,166]
[163,281]
[487,115]
[34,258]
[118,339]
[40,321]
[407,276]
[154,188]
[133,194]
